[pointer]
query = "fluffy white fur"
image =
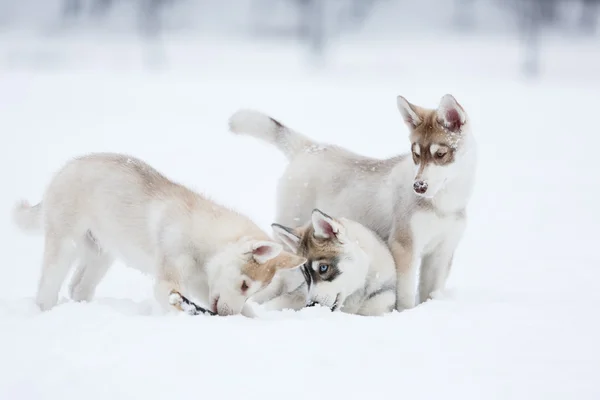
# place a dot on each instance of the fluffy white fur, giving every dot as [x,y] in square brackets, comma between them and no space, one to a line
[422,229]
[103,206]
[366,284]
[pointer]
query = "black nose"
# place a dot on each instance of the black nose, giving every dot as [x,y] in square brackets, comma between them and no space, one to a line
[420,187]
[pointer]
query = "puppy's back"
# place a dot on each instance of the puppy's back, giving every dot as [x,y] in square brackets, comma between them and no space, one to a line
[130,195]
[106,192]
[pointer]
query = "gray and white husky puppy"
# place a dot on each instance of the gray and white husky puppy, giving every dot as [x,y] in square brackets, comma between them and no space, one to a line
[349,268]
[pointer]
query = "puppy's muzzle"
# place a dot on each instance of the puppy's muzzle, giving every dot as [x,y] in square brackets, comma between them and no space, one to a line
[420,187]
[333,307]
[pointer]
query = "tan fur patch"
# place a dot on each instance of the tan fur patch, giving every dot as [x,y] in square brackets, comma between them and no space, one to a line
[401,244]
[431,133]
[318,249]
[403,255]
[323,251]
[265,272]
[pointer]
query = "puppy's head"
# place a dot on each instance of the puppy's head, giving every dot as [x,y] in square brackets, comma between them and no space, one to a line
[242,269]
[439,142]
[336,266]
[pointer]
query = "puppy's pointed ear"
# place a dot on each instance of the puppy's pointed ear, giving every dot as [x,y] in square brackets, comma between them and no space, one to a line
[287,236]
[263,251]
[450,114]
[326,227]
[410,112]
[286,260]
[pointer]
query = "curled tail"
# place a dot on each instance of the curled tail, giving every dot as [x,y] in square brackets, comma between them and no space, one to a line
[263,127]
[27,217]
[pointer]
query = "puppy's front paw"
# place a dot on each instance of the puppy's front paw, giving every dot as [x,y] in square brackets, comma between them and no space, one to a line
[248,311]
[405,303]
[176,300]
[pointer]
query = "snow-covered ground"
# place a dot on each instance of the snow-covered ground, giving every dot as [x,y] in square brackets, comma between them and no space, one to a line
[519,317]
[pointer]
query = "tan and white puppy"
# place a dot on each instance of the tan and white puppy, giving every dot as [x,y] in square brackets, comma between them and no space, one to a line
[349,267]
[102,206]
[416,202]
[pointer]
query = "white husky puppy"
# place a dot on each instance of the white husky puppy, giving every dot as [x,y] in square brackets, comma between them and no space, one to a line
[349,267]
[416,202]
[102,206]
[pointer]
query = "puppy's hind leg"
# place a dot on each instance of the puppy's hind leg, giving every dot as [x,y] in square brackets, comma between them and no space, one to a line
[94,262]
[59,254]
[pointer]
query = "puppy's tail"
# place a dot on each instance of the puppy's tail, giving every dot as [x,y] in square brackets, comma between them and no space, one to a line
[263,127]
[27,217]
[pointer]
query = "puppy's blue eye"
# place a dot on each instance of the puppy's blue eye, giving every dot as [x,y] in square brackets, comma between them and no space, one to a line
[323,268]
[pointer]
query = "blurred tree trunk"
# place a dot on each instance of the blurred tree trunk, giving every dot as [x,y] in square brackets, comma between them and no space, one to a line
[463,14]
[589,16]
[101,7]
[71,8]
[312,16]
[532,16]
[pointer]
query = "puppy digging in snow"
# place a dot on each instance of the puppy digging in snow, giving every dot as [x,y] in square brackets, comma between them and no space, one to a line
[102,206]
[349,268]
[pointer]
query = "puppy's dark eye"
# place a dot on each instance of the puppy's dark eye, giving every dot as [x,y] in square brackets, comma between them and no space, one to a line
[244,286]
[440,154]
[323,268]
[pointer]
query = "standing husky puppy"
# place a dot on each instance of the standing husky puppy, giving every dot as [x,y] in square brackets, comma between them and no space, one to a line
[349,267]
[416,202]
[102,206]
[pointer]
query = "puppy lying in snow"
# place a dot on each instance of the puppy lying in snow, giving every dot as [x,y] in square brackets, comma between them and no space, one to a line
[102,206]
[349,269]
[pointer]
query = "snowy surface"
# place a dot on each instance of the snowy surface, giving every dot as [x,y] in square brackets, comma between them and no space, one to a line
[519,317]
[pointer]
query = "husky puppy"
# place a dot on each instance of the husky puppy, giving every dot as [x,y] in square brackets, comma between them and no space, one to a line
[349,267]
[416,202]
[102,206]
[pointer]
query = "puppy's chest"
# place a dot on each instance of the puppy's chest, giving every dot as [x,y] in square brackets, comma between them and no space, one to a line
[429,230]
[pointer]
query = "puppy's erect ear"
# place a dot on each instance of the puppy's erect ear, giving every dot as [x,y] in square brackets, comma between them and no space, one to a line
[286,260]
[263,251]
[287,236]
[450,114]
[325,226]
[409,112]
